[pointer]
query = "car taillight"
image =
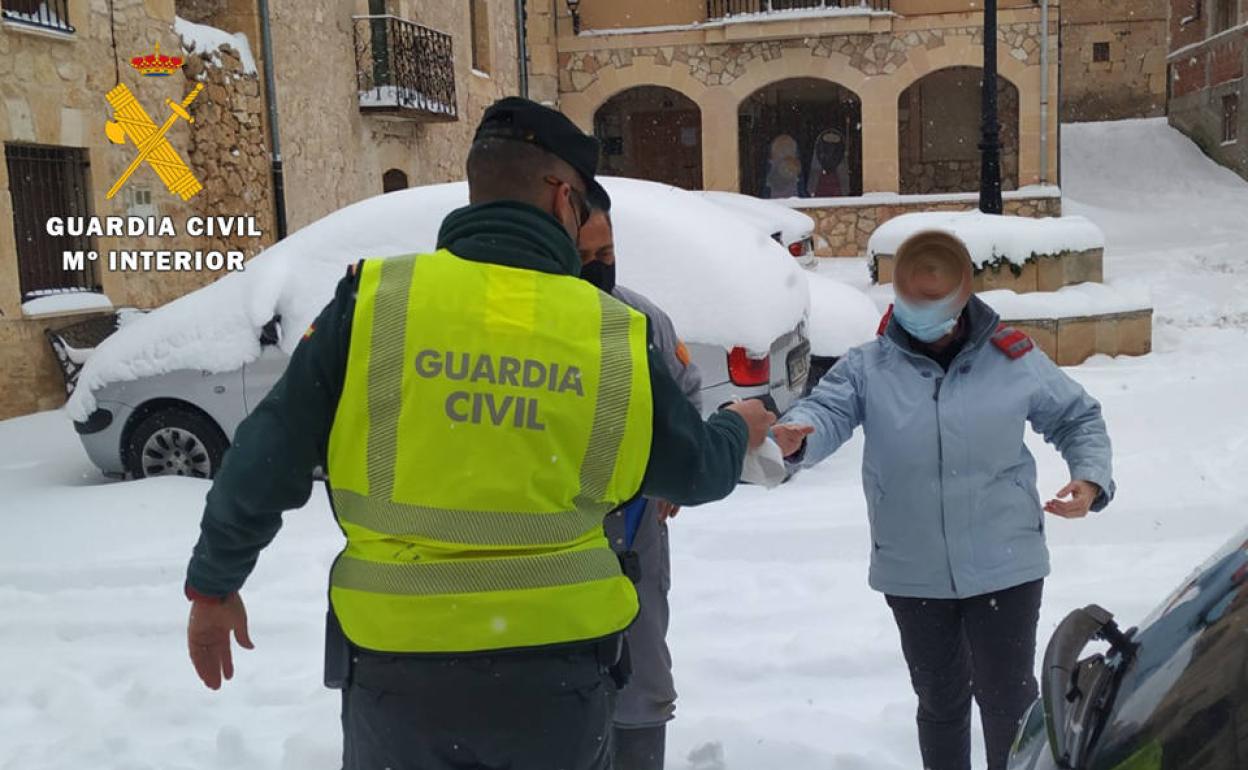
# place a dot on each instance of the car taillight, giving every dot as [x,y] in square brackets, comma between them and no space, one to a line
[797,249]
[747,371]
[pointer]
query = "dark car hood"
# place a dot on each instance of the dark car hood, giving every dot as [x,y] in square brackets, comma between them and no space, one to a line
[1182,700]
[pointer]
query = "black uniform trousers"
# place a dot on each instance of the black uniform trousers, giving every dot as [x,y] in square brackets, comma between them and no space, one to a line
[983,646]
[532,710]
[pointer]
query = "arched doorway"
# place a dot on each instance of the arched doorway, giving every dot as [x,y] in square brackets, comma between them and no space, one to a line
[801,137]
[938,119]
[394,179]
[651,132]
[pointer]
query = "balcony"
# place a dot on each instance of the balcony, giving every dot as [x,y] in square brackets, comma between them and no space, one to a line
[404,70]
[726,9]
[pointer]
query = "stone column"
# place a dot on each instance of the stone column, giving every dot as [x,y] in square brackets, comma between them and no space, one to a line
[720,138]
[881,164]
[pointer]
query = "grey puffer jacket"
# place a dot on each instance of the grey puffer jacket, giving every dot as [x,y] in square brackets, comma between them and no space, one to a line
[950,486]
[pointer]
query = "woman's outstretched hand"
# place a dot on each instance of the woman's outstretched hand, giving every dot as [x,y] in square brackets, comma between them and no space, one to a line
[790,437]
[1081,493]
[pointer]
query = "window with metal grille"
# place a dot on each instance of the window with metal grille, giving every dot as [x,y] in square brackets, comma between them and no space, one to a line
[1230,118]
[1100,52]
[479,18]
[46,182]
[47,14]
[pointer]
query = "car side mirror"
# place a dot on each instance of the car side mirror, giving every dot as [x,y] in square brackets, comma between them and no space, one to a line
[1070,687]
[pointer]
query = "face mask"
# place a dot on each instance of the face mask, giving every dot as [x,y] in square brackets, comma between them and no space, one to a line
[600,274]
[928,321]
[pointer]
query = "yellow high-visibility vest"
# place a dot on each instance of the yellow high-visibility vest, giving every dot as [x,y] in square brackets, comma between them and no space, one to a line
[489,418]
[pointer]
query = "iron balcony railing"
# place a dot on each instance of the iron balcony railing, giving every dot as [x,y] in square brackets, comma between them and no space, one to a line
[45,14]
[722,9]
[403,68]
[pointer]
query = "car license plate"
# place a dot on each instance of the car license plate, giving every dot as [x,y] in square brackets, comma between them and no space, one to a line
[799,366]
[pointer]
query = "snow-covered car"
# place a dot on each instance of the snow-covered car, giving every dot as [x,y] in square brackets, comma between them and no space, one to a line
[841,317]
[1170,695]
[791,229]
[163,394]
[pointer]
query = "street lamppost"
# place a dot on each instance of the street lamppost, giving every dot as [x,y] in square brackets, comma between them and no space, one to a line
[990,143]
[573,6]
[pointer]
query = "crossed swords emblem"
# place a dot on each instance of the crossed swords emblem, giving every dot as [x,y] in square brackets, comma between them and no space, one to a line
[131,121]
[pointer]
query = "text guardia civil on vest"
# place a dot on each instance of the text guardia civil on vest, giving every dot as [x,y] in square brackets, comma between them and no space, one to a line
[497,409]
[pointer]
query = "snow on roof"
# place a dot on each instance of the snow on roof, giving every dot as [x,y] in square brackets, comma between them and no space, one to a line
[774,217]
[721,281]
[201,38]
[841,317]
[990,238]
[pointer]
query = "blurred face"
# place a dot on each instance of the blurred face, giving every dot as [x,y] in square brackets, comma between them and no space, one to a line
[933,266]
[597,242]
[933,280]
[928,275]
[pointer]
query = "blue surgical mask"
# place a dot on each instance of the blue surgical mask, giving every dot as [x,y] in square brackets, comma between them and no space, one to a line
[928,321]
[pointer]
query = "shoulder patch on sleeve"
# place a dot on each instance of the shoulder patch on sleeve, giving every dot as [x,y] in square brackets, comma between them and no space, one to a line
[682,353]
[888,316]
[1012,342]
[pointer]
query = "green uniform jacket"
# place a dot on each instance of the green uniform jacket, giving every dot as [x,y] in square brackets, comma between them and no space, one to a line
[269,468]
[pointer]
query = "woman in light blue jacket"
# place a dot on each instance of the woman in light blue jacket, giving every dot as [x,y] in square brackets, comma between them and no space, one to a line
[957,525]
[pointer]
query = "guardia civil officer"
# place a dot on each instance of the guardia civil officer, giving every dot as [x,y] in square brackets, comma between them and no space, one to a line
[477,410]
[957,526]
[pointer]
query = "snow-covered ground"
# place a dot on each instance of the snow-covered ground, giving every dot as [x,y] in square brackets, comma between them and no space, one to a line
[784,657]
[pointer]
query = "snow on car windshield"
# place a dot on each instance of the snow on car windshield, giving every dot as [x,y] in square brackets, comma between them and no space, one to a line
[722,282]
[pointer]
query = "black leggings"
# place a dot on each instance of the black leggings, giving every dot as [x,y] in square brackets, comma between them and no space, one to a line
[983,646]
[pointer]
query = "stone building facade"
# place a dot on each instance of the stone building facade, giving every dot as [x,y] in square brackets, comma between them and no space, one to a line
[1113,59]
[57,65]
[892,86]
[1207,61]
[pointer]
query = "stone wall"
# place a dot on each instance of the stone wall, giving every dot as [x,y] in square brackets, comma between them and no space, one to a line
[334,154]
[844,230]
[229,149]
[1071,341]
[721,64]
[1131,83]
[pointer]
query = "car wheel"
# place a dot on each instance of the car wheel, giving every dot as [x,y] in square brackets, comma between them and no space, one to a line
[175,442]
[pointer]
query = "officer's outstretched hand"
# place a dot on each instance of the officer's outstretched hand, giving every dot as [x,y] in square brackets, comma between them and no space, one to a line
[208,637]
[757,416]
